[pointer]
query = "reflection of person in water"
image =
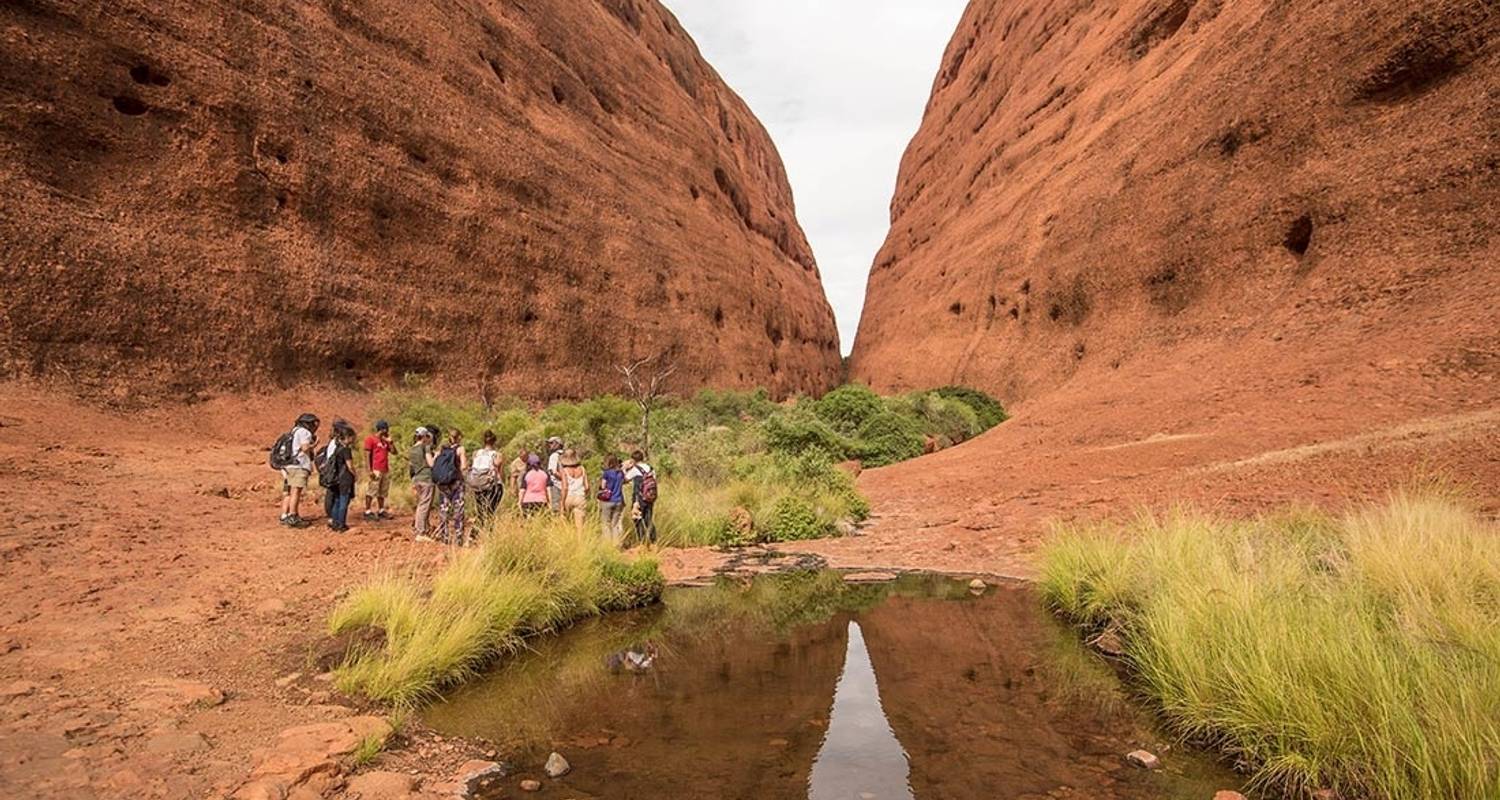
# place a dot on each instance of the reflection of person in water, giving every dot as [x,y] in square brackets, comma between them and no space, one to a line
[639,658]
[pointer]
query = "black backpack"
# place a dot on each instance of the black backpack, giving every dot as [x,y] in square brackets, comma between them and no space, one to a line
[281,455]
[445,467]
[328,468]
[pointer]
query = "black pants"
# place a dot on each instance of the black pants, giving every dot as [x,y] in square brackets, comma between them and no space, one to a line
[645,527]
[488,501]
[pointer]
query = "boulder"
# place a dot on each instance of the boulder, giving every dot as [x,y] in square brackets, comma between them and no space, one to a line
[476,777]
[557,766]
[1143,759]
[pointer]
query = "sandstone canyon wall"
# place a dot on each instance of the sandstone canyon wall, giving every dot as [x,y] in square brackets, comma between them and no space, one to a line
[1266,186]
[204,194]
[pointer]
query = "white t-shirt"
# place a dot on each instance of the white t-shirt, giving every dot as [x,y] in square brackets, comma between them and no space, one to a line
[301,438]
[554,467]
[640,468]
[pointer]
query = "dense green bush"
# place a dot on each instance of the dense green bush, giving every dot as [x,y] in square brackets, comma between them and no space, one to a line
[887,438]
[848,407]
[797,430]
[986,408]
[794,519]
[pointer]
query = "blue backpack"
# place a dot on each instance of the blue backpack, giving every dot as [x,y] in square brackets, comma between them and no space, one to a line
[445,467]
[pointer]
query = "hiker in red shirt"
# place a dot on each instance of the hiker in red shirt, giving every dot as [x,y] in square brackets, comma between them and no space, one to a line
[378,447]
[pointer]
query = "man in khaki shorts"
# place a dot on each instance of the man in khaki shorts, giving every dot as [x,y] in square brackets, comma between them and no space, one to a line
[378,447]
[294,476]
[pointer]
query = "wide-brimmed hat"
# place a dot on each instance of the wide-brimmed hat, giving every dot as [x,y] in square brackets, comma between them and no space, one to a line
[570,458]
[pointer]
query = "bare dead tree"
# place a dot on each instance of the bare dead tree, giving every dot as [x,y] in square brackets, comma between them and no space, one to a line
[645,380]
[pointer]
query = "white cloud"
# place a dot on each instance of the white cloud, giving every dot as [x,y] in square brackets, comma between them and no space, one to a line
[841,85]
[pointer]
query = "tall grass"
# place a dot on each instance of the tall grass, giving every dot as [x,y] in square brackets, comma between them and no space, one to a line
[524,578]
[1360,653]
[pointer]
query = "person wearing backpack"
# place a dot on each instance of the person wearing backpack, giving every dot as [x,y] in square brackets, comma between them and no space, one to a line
[328,469]
[448,470]
[292,454]
[612,500]
[484,478]
[419,459]
[643,497]
[341,464]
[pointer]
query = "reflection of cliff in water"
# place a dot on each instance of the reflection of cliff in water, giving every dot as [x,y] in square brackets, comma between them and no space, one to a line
[860,755]
[808,688]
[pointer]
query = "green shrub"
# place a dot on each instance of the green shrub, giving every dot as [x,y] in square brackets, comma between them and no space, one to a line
[796,430]
[794,519]
[730,407]
[986,408]
[1359,653]
[887,438]
[848,407]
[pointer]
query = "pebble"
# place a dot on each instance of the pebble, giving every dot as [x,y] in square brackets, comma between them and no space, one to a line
[976,585]
[530,785]
[1143,759]
[557,766]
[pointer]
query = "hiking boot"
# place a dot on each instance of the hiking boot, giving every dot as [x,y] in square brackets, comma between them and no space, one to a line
[424,538]
[296,522]
[369,515]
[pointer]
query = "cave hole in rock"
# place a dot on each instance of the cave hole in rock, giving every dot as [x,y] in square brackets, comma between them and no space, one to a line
[718,316]
[558,94]
[146,76]
[956,308]
[993,302]
[129,106]
[1015,312]
[528,316]
[1299,235]
[694,191]
[1026,286]
[349,364]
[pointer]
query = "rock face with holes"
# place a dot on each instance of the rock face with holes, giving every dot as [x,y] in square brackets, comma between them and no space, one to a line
[508,198]
[1097,187]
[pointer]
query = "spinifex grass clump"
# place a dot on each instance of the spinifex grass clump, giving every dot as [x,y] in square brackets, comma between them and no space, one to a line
[1359,653]
[523,579]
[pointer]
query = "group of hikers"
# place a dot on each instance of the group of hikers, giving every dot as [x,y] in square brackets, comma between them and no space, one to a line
[443,473]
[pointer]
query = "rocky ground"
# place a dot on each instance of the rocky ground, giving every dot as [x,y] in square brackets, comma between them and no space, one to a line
[163,634]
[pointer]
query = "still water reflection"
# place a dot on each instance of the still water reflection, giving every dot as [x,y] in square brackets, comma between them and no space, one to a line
[804,686]
[860,755]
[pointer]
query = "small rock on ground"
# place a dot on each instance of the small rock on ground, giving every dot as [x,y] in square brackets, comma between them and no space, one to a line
[557,766]
[530,785]
[977,585]
[477,776]
[1143,759]
[381,786]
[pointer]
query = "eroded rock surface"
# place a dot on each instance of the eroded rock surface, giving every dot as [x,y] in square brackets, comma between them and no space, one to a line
[510,198]
[1103,187]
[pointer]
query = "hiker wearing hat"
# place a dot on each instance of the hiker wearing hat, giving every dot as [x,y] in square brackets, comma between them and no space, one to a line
[378,447]
[575,488]
[293,452]
[420,459]
[554,470]
[535,483]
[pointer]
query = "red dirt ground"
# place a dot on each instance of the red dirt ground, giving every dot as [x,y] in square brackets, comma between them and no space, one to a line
[143,547]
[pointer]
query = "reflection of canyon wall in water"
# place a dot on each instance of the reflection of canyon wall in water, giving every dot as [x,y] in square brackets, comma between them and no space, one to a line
[733,714]
[969,693]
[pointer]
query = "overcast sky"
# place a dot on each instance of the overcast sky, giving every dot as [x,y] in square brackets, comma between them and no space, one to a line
[841,85]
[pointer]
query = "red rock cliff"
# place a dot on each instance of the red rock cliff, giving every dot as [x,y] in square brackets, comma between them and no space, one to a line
[205,194]
[1100,187]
